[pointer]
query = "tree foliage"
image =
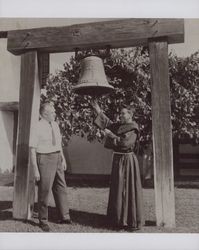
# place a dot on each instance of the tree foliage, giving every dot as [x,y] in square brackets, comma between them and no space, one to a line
[184,75]
[128,70]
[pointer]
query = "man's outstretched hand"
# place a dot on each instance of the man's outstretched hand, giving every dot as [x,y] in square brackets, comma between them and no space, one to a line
[95,106]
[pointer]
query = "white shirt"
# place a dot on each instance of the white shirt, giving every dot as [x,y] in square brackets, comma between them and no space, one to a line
[41,137]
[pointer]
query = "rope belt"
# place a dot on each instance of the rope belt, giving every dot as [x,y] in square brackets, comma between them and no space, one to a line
[49,153]
[121,153]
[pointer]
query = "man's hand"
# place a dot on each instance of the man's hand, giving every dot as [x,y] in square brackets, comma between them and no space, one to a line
[33,161]
[95,106]
[36,174]
[64,165]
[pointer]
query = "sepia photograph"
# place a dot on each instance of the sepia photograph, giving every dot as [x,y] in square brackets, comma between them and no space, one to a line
[99,125]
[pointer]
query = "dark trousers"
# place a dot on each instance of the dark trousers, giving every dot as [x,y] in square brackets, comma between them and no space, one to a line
[51,178]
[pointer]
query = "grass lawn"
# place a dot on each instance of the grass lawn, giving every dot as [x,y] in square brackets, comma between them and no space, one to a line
[88,209]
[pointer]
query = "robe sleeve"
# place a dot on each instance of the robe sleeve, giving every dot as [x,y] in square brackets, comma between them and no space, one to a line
[102,121]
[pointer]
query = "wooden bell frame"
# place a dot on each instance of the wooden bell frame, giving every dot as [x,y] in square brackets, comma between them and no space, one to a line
[35,45]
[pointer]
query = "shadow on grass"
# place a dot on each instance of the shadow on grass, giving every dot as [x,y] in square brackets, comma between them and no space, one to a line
[83,218]
[4,214]
[98,220]
[149,223]
[32,223]
[93,220]
[89,219]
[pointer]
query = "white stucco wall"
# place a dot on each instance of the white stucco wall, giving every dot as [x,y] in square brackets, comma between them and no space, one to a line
[9,92]
[9,74]
[6,141]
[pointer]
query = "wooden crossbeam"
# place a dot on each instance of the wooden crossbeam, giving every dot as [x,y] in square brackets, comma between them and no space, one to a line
[116,34]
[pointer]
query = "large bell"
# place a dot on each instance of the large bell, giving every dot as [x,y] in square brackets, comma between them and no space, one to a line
[92,79]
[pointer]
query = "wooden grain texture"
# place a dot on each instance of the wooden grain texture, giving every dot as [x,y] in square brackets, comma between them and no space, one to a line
[162,134]
[29,101]
[117,34]
[15,129]
[44,67]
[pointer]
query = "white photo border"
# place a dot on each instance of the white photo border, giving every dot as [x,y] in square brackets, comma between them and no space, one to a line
[104,9]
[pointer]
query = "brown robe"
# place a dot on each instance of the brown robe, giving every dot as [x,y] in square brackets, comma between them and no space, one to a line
[125,203]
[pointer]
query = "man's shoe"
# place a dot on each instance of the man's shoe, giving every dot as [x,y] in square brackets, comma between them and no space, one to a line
[65,221]
[44,226]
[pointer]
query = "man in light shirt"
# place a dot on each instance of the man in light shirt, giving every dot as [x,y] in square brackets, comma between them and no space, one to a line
[49,165]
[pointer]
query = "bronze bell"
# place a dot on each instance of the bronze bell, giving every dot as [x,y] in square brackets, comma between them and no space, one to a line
[92,79]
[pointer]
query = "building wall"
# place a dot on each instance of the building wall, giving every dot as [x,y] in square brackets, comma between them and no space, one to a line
[6,141]
[9,74]
[84,157]
[188,160]
[188,149]
[9,92]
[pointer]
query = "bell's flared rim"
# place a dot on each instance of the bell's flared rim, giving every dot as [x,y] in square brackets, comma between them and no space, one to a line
[93,85]
[93,90]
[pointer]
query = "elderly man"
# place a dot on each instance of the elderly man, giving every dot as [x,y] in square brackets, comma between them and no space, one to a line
[49,165]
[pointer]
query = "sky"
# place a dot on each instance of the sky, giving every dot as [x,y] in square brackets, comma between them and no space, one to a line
[191,43]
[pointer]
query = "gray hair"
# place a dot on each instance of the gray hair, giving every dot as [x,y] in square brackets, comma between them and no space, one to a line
[44,105]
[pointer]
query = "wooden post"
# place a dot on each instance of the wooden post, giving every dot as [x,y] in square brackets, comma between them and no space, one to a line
[162,134]
[29,101]
[44,67]
[43,71]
